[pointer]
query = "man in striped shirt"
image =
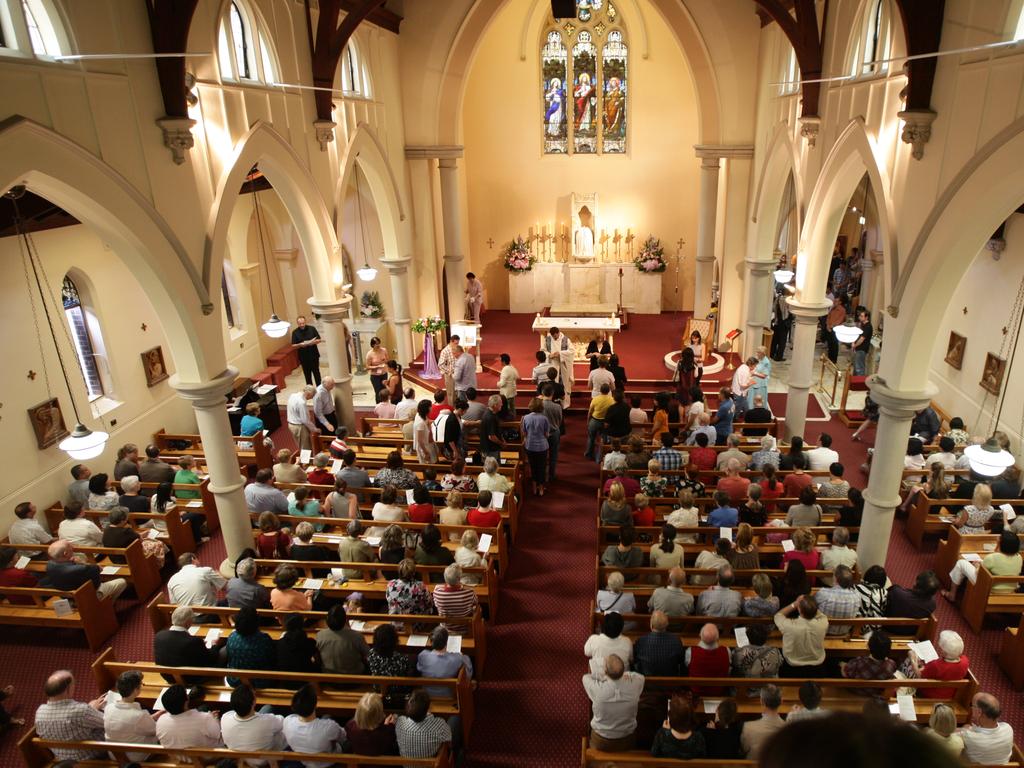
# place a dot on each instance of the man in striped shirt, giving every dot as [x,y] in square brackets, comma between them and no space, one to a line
[453,599]
[446,365]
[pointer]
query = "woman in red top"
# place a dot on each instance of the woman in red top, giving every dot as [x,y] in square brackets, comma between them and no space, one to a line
[804,551]
[273,540]
[421,510]
[483,515]
[797,480]
[771,487]
[702,456]
[952,666]
[10,576]
[320,474]
[643,515]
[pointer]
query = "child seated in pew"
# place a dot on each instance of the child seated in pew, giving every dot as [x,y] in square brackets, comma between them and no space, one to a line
[430,480]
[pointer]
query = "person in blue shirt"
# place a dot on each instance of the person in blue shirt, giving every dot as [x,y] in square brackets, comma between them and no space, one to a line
[251,422]
[722,419]
[437,662]
[723,516]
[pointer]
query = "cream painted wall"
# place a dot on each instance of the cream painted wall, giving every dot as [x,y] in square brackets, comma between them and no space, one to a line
[510,185]
[121,309]
[988,291]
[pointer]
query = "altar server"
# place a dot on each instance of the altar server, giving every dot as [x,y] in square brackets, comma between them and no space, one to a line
[560,355]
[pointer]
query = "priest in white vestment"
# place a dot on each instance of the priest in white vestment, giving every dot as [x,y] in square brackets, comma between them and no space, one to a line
[561,355]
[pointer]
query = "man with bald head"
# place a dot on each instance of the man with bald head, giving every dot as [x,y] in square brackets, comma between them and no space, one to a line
[986,740]
[732,483]
[720,599]
[62,718]
[64,573]
[659,653]
[614,696]
[708,659]
[323,406]
[673,600]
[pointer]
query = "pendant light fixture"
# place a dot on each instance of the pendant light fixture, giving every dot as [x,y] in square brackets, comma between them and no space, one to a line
[275,327]
[366,272]
[848,332]
[988,459]
[783,274]
[82,443]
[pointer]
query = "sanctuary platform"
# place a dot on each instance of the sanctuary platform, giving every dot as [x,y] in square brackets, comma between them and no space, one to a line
[549,284]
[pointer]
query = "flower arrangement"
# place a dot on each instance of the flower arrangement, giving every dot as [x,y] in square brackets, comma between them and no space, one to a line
[518,256]
[651,257]
[428,324]
[370,304]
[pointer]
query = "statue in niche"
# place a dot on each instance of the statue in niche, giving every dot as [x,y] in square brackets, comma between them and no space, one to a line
[584,220]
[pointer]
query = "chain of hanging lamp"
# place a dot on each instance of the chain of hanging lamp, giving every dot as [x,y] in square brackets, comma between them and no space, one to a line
[365,272]
[275,327]
[1007,351]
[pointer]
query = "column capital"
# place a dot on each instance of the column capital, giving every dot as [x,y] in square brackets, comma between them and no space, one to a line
[206,394]
[808,311]
[396,266]
[436,151]
[895,403]
[331,310]
[760,268]
[714,152]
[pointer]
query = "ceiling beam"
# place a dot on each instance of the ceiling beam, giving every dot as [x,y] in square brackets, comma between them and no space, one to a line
[380,17]
[330,41]
[802,33]
[169,22]
[922,27]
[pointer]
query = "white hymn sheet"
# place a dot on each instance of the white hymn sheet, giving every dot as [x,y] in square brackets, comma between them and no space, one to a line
[417,641]
[22,563]
[925,650]
[408,496]
[906,706]
[787,545]
[454,644]
[485,543]
[497,499]
[741,637]
[711,706]
[725,533]
[305,455]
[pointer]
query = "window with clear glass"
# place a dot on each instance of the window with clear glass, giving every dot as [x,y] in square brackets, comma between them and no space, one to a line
[33,27]
[873,47]
[79,322]
[353,78]
[790,80]
[244,51]
[583,62]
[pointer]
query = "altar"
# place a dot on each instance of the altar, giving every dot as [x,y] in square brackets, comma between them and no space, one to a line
[550,283]
[580,331]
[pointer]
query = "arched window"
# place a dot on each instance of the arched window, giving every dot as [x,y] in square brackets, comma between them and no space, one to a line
[789,81]
[243,46]
[33,27]
[1018,30]
[353,75]
[584,82]
[874,44]
[83,326]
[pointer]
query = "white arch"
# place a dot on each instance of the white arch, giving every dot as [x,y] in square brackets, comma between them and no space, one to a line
[980,197]
[781,160]
[365,149]
[277,161]
[71,177]
[852,156]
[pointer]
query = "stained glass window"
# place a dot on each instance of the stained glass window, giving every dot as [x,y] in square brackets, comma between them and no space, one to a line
[583,80]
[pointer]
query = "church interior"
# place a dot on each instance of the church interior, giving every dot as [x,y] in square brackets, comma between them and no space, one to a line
[691,326]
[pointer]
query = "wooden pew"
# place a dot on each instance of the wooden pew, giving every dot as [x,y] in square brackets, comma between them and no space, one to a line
[956,544]
[336,694]
[1011,655]
[979,599]
[935,516]
[37,752]
[141,572]
[374,588]
[178,536]
[474,638]
[258,454]
[95,617]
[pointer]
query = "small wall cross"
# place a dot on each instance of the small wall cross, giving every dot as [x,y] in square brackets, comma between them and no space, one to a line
[490,242]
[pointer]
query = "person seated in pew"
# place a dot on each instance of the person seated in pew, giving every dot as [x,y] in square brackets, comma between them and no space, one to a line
[125,720]
[807,513]
[78,489]
[467,556]
[12,576]
[821,457]
[724,515]
[406,408]
[1007,485]
[839,553]
[875,665]
[669,458]
[430,550]
[343,651]
[384,409]
[637,416]
[653,483]
[679,738]
[839,601]
[391,549]
[422,734]
[722,734]
[421,510]
[369,732]
[708,560]
[615,510]
[974,517]
[809,707]
[301,505]
[101,495]
[835,487]
[637,456]
[767,456]
[65,573]
[454,600]
[243,590]
[62,718]
[244,729]
[340,502]
[454,512]
[643,512]
[490,479]
[757,659]
[804,550]
[792,584]
[440,404]
[194,584]
[274,540]
[78,529]
[610,640]
[395,473]
[385,659]
[623,554]
[744,556]
[353,549]
[161,502]
[733,452]
[119,535]
[763,603]
[770,488]
[484,515]
[248,647]
[798,479]
[917,602]
[666,554]
[27,530]
[852,513]
[262,496]
[672,599]
[946,455]
[184,726]
[130,496]
[720,599]
[803,638]
[759,414]
[186,475]
[251,422]
[303,548]
[305,733]
[686,515]
[296,651]
[407,594]
[176,647]
[387,510]
[873,591]
[659,653]
[430,481]
[986,740]
[612,598]
[320,474]
[752,512]
[438,662]
[702,456]
[355,476]
[942,727]
[708,659]
[952,664]
[630,485]
[286,468]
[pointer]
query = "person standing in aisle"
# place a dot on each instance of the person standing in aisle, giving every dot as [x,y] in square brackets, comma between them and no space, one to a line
[305,339]
[474,297]
[446,365]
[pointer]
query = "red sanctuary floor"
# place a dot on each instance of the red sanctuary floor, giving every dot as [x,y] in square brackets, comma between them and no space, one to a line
[531,709]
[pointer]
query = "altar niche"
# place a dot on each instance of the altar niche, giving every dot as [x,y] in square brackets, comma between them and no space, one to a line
[584,226]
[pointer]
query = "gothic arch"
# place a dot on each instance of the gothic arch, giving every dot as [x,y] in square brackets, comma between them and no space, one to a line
[71,177]
[278,161]
[852,155]
[979,198]
[781,161]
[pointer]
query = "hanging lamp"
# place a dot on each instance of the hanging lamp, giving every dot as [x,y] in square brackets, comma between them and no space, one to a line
[988,459]
[848,332]
[275,327]
[82,443]
[366,272]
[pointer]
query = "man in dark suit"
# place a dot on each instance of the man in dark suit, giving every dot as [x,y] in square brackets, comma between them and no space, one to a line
[175,647]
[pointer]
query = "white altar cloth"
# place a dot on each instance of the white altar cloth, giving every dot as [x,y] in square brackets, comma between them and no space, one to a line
[556,283]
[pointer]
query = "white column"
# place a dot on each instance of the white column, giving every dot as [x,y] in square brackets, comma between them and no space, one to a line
[451,214]
[870,295]
[706,225]
[801,368]
[398,270]
[760,285]
[896,411]
[334,312]
[285,259]
[226,481]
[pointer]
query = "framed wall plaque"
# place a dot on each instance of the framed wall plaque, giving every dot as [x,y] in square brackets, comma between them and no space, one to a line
[48,423]
[153,365]
[955,350]
[992,374]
